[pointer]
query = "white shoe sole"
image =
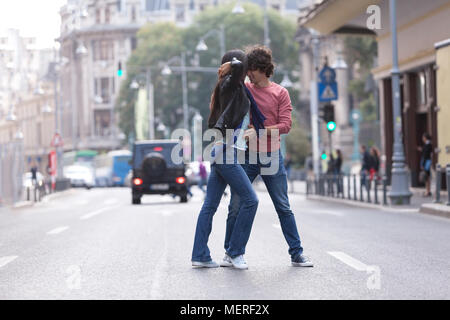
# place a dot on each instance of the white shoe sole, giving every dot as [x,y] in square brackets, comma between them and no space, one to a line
[203,265]
[240,267]
[226,264]
[308,264]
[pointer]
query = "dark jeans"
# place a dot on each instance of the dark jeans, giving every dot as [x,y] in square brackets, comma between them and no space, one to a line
[221,175]
[276,185]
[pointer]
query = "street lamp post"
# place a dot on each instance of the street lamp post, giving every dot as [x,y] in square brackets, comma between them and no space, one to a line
[221,31]
[400,193]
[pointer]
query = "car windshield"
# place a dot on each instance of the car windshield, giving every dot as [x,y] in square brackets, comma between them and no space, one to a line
[162,148]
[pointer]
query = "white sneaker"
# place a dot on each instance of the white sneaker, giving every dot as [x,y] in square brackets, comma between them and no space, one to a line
[226,262]
[239,262]
[207,264]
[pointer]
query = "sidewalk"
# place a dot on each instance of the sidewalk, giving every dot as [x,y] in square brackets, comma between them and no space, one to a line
[418,202]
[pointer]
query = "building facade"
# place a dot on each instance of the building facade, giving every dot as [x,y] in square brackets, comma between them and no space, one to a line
[97,38]
[421,24]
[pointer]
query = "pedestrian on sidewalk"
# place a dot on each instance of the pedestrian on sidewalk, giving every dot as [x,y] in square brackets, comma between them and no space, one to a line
[203,175]
[374,166]
[365,166]
[338,170]
[274,102]
[230,110]
[425,162]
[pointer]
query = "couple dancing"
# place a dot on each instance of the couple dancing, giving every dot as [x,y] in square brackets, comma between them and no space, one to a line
[246,110]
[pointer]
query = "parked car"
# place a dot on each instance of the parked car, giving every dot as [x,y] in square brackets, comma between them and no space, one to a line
[80,176]
[154,171]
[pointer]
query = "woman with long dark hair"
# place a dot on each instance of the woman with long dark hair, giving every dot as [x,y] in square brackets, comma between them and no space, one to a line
[230,108]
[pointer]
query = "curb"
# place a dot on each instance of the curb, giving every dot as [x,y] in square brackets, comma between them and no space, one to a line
[436,209]
[22,204]
[361,204]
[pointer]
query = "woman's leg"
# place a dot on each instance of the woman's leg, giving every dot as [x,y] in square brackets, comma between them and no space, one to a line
[239,182]
[214,191]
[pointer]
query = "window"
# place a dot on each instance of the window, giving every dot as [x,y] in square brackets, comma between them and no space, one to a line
[103,88]
[103,50]
[421,87]
[179,13]
[107,15]
[133,14]
[98,16]
[133,43]
[156,5]
[102,122]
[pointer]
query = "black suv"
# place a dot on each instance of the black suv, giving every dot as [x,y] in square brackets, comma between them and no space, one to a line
[154,172]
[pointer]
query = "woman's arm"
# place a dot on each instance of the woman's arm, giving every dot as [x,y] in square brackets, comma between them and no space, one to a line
[235,74]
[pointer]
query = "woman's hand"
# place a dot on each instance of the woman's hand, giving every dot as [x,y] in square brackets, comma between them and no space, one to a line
[224,69]
[250,134]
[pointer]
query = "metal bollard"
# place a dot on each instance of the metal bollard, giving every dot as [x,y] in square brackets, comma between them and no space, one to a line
[368,187]
[341,185]
[438,183]
[354,188]
[384,190]
[376,189]
[447,169]
[361,196]
[35,194]
[28,193]
[348,187]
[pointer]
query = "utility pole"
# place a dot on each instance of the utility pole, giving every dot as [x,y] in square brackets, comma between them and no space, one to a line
[314,103]
[151,105]
[400,193]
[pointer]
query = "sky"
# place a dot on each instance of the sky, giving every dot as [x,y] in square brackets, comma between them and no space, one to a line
[34,18]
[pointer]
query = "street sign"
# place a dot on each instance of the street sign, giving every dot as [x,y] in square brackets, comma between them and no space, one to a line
[328,92]
[57,141]
[327,87]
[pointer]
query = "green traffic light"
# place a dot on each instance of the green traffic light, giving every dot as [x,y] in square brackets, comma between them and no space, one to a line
[331,126]
[324,156]
[119,73]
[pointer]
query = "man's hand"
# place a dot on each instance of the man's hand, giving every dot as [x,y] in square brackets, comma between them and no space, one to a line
[224,69]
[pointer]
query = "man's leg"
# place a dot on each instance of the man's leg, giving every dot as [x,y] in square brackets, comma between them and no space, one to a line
[277,187]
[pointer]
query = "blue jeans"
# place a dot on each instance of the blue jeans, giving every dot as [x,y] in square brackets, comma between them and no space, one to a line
[276,185]
[221,175]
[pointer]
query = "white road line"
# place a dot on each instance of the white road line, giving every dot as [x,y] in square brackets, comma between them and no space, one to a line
[58,230]
[5,260]
[96,212]
[329,212]
[350,261]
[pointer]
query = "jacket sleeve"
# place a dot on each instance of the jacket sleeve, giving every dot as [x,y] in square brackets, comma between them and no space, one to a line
[234,78]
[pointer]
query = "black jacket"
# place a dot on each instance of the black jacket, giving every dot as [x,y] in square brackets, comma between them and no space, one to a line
[233,100]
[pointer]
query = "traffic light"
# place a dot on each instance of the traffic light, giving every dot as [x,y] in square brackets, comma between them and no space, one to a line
[328,113]
[324,156]
[328,117]
[119,70]
[331,126]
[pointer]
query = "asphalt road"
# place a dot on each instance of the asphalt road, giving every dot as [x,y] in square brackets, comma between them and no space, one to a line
[95,245]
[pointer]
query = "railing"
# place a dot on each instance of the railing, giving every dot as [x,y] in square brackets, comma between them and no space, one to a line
[362,188]
[439,172]
[346,186]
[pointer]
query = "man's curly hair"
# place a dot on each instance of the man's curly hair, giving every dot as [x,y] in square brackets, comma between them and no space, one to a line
[260,58]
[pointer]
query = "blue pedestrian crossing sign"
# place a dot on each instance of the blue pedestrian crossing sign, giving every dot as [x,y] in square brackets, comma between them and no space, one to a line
[327,87]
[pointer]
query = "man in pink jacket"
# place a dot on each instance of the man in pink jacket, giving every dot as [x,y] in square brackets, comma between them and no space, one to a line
[274,102]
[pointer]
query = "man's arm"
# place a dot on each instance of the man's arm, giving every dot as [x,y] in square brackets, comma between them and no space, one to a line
[284,115]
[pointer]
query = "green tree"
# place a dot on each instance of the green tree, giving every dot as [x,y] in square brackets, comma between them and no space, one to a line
[161,41]
[361,52]
[297,144]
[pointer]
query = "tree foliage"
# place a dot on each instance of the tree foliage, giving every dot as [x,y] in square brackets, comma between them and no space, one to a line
[159,42]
